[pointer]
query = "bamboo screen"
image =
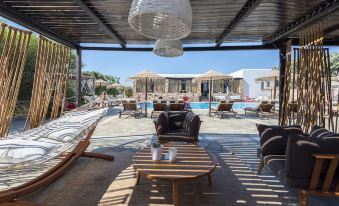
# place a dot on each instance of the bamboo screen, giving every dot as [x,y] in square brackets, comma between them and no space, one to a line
[288,78]
[313,81]
[50,78]
[14,45]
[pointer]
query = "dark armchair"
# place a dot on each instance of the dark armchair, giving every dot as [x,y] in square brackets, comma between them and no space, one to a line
[178,126]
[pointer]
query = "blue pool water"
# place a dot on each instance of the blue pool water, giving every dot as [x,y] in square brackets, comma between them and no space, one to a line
[204,105]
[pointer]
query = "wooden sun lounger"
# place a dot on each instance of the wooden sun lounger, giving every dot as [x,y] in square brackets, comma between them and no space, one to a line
[265,110]
[176,107]
[10,196]
[158,108]
[225,109]
[130,109]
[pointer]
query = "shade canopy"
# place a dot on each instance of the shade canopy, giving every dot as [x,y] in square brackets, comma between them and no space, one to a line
[116,85]
[168,48]
[213,75]
[273,75]
[161,19]
[101,82]
[146,74]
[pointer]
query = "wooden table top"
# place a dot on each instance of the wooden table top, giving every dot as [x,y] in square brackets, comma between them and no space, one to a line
[191,162]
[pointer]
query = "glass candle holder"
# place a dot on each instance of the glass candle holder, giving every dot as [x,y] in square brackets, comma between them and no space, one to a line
[172,153]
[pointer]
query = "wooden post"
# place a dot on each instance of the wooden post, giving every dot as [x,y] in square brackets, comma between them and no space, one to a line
[78,77]
[210,96]
[282,58]
[275,88]
[146,97]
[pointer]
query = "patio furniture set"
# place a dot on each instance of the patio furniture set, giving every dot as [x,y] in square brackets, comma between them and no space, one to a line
[179,130]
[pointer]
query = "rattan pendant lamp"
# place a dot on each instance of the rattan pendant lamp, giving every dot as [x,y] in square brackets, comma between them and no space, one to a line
[168,48]
[161,19]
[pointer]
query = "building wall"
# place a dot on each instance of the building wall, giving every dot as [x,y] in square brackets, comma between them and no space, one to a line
[250,87]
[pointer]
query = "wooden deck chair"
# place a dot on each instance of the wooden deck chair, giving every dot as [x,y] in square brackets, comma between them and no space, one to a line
[163,101]
[226,109]
[42,172]
[172,101]
[132,101]
[158,108]
[180,101]
[255,109]
[265,110]
[176,107]
[130,109]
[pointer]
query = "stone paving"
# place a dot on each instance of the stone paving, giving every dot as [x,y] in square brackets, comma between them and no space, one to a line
[233,141]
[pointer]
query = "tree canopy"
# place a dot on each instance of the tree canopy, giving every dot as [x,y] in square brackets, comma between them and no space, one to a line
[98,75]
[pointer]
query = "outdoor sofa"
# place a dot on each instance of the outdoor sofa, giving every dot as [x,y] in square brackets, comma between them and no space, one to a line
[177,126]
[307,162]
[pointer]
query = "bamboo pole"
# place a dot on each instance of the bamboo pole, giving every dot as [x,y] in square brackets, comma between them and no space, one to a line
[12,61]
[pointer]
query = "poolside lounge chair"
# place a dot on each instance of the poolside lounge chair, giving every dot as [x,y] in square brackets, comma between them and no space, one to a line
[176,107]
[255,109]
[163,101]
[130,109]
[225,109]
[266,110]
[158,108]
[172,101]
[20,177]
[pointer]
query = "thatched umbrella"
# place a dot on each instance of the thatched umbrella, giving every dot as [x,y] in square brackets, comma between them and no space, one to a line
[116,85]
[272,76]
[101,82]
[211,76]
[146,75]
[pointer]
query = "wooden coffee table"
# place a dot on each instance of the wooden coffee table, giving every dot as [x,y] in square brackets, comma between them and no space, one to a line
[192,163]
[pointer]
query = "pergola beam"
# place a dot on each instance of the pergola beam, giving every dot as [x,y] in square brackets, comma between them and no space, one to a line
[101,24]
[320,11]
[20,18]
[246,10]
[187,49]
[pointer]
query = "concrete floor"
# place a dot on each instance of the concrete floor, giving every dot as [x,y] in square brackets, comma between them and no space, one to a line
[233,141]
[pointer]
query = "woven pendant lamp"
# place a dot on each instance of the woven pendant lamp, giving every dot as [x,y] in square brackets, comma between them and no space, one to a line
[168,48]
[161,19]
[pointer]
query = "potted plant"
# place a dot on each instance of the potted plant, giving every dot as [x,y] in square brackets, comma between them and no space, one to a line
[156,150]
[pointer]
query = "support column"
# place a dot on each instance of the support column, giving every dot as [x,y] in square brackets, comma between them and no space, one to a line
[282,58]
[78,78]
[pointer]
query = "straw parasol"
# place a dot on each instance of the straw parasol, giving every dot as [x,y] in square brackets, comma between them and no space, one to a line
[272,76]
[101,82]
[116,85]
[146,75]
[211,76]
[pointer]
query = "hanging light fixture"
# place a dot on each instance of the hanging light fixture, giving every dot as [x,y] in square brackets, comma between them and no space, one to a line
[168,48]
[161,19]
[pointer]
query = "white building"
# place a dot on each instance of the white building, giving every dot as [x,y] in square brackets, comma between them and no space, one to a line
[251,88]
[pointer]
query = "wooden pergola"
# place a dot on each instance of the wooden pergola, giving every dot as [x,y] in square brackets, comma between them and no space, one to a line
[215,22]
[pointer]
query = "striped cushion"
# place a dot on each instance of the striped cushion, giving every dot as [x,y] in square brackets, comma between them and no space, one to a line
[319,132]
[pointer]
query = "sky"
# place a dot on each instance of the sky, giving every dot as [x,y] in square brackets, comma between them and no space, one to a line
[126,64]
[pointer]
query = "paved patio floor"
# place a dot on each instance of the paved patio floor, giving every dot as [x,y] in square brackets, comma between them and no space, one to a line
[233,141]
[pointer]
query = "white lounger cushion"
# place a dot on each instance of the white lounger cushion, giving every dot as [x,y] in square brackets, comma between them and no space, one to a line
[19,150]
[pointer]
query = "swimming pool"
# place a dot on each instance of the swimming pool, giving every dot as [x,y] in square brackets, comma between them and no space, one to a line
[204,105]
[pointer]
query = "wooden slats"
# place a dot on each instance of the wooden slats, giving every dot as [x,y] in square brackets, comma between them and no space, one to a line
[209,19]
[330,174]
[316,173]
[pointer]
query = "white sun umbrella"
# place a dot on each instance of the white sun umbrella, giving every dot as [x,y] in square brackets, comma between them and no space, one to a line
[146,75]
[101,82]
[211,76]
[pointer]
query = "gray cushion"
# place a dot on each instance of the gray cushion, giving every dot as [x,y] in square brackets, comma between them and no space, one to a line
[176,120]
[299,159]
[276,163]
[319,132]
[162,123]
[268,131]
